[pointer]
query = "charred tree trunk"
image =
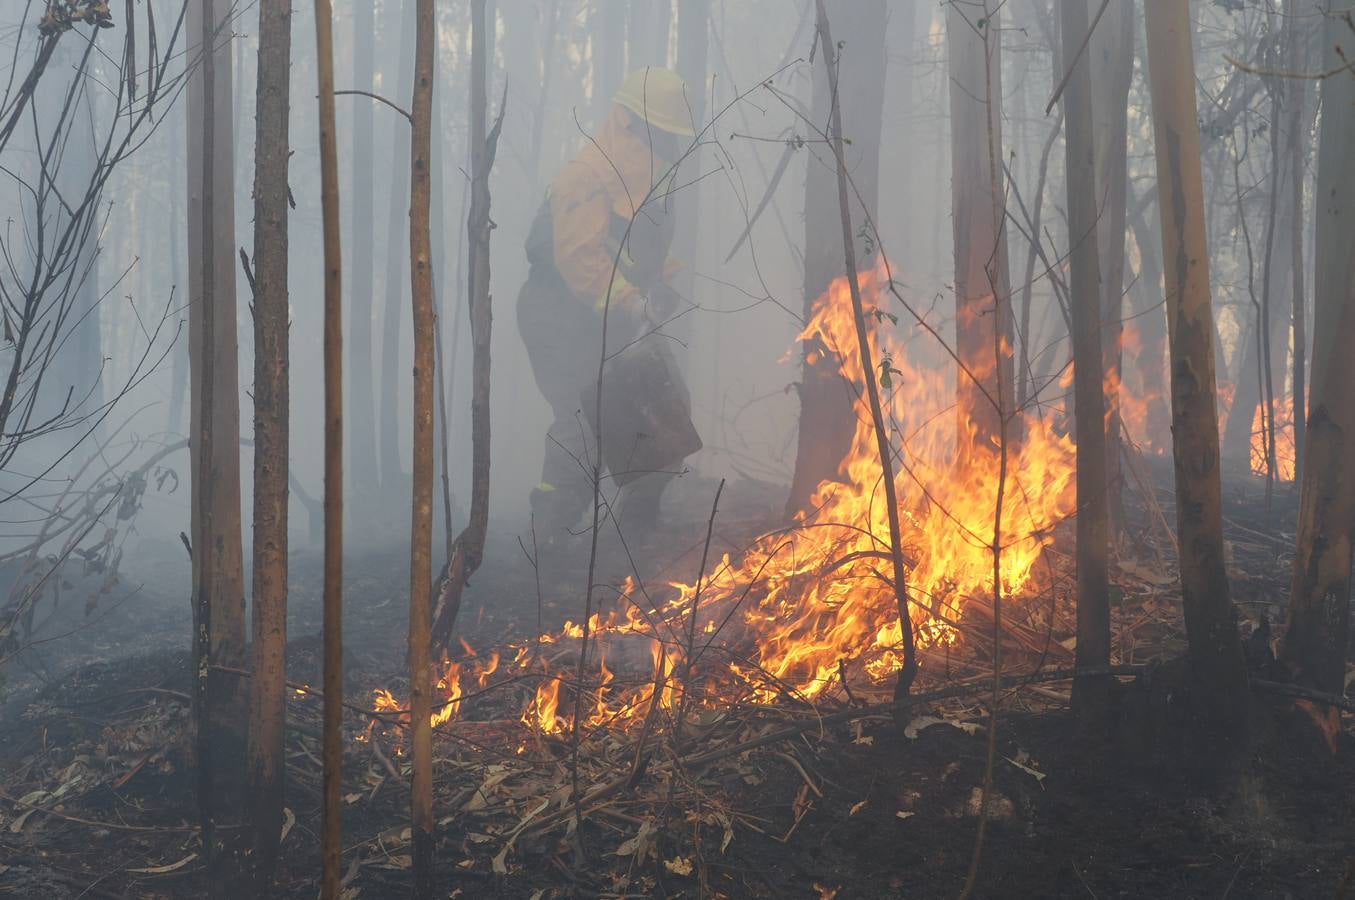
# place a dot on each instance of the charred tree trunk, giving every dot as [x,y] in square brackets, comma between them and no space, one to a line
[218,555]
[1319,605]
[1112,55]
[364,470]
[1218,673]
[421,522]
[827,400]
[331,836]
[984,385]
[1090,695]
[392,476]
[271,437]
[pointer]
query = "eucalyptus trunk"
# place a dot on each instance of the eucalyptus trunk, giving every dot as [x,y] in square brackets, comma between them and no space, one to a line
[1090,694]
[1217,670]
[1319,605]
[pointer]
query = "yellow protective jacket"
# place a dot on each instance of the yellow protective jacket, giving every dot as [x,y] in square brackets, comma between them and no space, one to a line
[593,200]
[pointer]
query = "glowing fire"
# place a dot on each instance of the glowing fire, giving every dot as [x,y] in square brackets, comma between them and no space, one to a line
[800,605]
[1284,441]
[803,606]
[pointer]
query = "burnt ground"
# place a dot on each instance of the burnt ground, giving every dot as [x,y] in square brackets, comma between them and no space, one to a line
[98,784]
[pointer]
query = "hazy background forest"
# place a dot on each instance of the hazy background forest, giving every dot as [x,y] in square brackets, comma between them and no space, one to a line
[893,246]
[738,336]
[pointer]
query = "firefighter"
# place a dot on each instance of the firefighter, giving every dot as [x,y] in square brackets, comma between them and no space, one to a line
[592,207]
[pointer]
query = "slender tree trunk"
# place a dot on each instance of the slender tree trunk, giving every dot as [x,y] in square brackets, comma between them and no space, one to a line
[179,365]
[827,400]
[831,63]
[1297,90]
[1218,673]
[271,436]
[421,523]
[1112,55]
[218,555]
[693,31]
[331,836]
[1090,695]
[469,548]
[392,476]
[1152,322]
[982,283]
[608,39]
[1319,605]
[1024,388]
[363,469]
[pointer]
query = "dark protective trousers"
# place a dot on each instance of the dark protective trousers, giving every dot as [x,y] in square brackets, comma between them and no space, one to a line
[563,339]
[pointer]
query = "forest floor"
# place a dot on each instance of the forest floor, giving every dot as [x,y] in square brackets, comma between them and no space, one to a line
[96,785]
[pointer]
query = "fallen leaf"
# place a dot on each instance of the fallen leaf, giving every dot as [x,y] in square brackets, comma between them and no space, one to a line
[922,723]
[857,807]
[288,820]
[161,870]
[680,865]
[1033,773]
[904,814]
[638,844]
[500,861]
[919,724]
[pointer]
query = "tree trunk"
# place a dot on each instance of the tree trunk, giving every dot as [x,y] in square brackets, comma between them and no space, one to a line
[218,556]
[1319,605]
[1112,55]
[1297,89]
[827,400]
[179,353]
[392,476]
[608,27]
[271,437]
[469,548]
[1090,695]
[1218,673]
[984,385]
[831,64]
[331,836]
[1152,323]
[693,31]
[362,419]
[421,521]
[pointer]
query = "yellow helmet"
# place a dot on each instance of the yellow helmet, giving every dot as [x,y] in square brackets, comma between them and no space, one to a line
[659,97]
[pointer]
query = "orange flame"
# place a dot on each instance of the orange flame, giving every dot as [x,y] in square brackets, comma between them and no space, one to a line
[804,602]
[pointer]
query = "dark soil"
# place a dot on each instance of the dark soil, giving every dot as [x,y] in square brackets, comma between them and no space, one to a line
[101,725]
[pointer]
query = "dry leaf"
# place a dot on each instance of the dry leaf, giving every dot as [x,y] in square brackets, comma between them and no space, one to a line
[680,865]
[639,844]
[903,814]
[288,820]
[161,870]
[1033,773]
[857,807]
